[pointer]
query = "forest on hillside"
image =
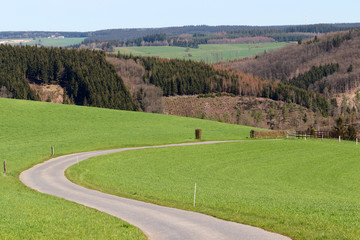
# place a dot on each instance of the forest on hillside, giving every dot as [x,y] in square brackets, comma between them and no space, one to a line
[86,76]
[297,61]
[183,77]
[90,78]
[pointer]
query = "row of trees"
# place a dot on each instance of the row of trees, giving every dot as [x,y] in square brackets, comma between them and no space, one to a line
[158,39]
[86,76]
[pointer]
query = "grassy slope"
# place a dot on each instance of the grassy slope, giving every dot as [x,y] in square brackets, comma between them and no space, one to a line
[28,129]
[210,53]
[303,189]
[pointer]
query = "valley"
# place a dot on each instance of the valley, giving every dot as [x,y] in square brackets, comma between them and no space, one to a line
[141,87]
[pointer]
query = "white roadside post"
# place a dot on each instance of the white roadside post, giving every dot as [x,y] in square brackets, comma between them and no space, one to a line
[339,139]
[356,141]
[195,195]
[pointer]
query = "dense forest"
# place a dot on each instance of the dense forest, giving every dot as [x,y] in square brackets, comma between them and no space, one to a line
[86,76]
[182,77]
[315,74]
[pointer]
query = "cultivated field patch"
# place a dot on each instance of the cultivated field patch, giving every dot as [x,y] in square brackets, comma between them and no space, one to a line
[209,53]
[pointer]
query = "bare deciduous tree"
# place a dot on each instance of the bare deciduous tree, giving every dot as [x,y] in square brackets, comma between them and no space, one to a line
[147,96]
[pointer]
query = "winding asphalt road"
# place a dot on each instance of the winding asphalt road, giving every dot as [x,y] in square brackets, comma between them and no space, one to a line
[155,221]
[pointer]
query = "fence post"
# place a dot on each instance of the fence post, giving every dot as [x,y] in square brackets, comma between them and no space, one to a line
[287,134]
[4,166]
[322,137]
[305,136]
[198,134]
[194,195]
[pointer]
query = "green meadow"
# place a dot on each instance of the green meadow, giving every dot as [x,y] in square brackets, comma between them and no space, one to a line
[28,129]
[61,42]
[302,189]
[209,53]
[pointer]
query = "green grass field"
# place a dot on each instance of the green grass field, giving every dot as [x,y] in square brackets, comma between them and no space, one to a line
[303,189]
[28,129]
[49,42]
[209,53]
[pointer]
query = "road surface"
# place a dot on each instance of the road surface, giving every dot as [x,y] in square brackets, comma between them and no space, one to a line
[155,221]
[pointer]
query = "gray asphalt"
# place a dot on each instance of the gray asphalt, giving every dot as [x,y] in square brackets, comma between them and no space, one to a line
[155,221]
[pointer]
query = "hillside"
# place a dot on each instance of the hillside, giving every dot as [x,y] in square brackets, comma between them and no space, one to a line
[86,78]
[29,128]
[307,190]
[181,77]
[340,48]
[249,111]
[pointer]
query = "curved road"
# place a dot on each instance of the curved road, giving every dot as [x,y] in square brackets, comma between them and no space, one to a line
[155,221]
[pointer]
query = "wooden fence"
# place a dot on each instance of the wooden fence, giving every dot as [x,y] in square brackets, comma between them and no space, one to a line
[293,134]
[313,134]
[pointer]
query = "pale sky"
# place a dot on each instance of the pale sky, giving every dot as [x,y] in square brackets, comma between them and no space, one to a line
[90,15]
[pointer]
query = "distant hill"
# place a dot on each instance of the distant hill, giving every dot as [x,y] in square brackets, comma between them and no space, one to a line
[300,64]
[246,31]
[193,36]
[200,32]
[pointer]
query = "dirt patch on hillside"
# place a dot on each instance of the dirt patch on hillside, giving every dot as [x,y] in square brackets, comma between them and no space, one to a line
[49,93]
[250,111]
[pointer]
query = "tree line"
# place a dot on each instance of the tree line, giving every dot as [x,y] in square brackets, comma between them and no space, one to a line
[86,76]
